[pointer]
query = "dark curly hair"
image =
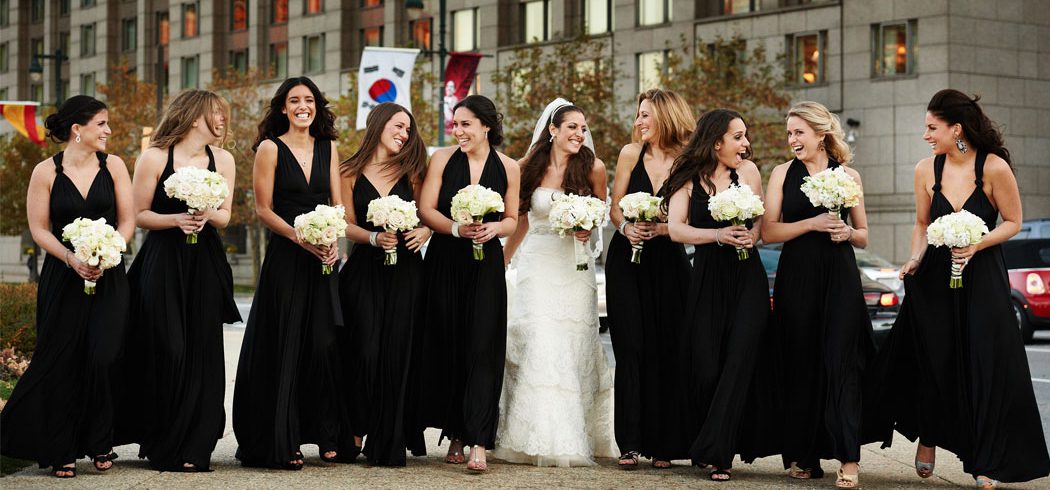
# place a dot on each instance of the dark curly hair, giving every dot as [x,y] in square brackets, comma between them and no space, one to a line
[535,164]
[955,107]
[275,123]
[78,109]
[698,158]
[485,111]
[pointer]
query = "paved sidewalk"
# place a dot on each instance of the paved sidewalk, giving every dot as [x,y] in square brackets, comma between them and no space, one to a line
[890,468]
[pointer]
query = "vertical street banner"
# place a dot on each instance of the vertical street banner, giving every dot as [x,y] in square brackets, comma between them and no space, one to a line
[459,74]
[385,76]
[22,115]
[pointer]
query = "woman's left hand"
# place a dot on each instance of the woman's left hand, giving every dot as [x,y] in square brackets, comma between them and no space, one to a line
[486,231]
[962,255]
[415,238]
[582,236]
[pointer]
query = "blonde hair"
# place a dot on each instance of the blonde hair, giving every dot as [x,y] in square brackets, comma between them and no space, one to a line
[183,111]
[825,124]
[673,119]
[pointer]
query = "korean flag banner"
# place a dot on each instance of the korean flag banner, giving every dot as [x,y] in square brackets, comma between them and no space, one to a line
[385,76]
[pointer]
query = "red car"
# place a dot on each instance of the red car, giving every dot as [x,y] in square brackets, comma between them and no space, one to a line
[1028,263]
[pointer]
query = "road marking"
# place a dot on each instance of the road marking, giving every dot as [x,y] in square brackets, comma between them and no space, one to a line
[1037,349]
[1041,380]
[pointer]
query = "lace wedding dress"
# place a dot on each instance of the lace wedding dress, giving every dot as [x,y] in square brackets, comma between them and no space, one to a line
[556,406]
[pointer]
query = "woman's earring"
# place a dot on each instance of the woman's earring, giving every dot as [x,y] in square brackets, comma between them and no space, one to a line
[960,144]
[78,139]
[552,139]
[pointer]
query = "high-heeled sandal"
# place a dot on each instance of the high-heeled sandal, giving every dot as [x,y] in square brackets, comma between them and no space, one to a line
[799,473]
[103,459]
[983,482]
[847,481]
[476,464]
[923,469]
[455,456]
[55,470]
[326,459]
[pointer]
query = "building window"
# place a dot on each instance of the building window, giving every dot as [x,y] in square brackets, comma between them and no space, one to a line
[36,11]
[189,72]
[129,34]
[239,17]
[239,60]
[536,19]
[87,40]
[597,16]
[279,60]
[63,9]
[3,58]
[654,12]
[807,57]
[421,33]
[465,30]
[190,25]
[5,13]
[313,7]
[732,7]
[36,92]
[372,36]
[893,48]
[87,84]
[36,46]
[87,3]
[63,43]
[371,3]
[313,54]
[163,29]
[650,66]
[3,93]
[279,11]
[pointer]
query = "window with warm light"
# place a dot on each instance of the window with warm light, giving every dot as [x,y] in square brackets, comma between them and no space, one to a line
[279,11]
[371,3]
[163,29]
[465,30]
[372,36]
[239,15]
[536,20]
[597,16]
[190,67]
[650,66]
[190,26]
[279,60]
[87,40]
[732,7]
[313,54]
[807,58]
[129,32]
[893,48]
[654,12]
[313,7]
[420,33]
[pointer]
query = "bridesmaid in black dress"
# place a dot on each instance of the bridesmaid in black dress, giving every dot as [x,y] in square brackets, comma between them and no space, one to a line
[818,304]
[289,373]
[953,372]
[726,310]
[62,408]
[382,303]
[464,340]
[171,402]
[645,300]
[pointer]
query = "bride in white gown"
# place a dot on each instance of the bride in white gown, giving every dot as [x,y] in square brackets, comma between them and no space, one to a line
[556,406]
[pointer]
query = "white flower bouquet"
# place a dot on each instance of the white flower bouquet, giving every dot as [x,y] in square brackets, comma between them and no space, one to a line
[322,227]
[736,204]
[570,213]
[956,230]
[394,215]
[95,243]
[832,189]
[640,206]
[199,188]
[471,204]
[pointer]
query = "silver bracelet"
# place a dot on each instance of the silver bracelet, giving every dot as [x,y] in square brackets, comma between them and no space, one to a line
[718,236]
[455,229]
[623,227]
[372,238]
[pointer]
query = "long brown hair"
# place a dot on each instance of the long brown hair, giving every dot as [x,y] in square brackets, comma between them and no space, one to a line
[953,106]
[183,111]
[672,119]
[410,161]
[275,122]
[698,158]
[536,162]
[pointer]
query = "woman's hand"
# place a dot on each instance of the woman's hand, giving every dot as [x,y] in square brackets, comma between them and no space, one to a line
[85,271]
[386,240]
[633,234]
[582,236]
[962,255]
[736,235]
[484,232]
[825,223]
[909,268]
[646,230]
[842,233]
[415,238]
[190,223]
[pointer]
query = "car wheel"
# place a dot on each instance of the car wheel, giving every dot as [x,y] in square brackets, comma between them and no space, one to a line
[1027,332]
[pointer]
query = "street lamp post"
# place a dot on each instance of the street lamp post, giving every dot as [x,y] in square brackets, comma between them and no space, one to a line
[36,72]
[417,6]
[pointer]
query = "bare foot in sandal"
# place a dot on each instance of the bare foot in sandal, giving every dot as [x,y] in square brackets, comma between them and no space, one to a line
[455,452]
[628,460]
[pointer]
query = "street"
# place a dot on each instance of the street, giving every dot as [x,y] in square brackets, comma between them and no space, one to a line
[1039,362]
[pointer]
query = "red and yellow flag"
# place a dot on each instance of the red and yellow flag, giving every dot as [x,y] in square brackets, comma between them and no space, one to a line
[22,115]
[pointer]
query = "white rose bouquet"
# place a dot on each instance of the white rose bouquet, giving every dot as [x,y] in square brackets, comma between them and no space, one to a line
[394,215]
[323,226]
[571,213]
[640,206]
[832,189]
[736,204]
[471,204]
[956,230]
[96,244]
[199,188]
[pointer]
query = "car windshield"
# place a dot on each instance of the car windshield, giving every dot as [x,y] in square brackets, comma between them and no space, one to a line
[868,259]
[1027,254]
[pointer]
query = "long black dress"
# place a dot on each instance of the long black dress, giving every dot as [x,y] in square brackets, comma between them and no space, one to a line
[953,371]
[727,313]
[645,313]
[381,304]
[171,401]
[826,337]
[288,377]
[464,337]
[62,408]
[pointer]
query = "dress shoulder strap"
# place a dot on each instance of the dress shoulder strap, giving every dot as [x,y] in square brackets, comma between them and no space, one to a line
[211,158]
[101,159]
[978,169]
[733,177]
[938,168]
[58,161]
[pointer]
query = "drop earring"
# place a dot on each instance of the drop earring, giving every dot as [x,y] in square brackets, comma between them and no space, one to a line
[961,145]
[78,139]
[552,139]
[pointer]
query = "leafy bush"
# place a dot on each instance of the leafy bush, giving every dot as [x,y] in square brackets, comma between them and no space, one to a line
[18,317]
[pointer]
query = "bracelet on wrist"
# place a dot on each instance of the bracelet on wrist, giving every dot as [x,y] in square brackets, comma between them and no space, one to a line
[623,227]
[718,236]
[66,259]
[372,238]
[455,229]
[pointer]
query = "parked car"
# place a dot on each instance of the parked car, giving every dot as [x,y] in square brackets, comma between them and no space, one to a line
[1028,265]
[879,269]
[1033,228]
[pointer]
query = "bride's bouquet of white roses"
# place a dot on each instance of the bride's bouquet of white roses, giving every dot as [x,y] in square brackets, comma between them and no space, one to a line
[199,188]
[736,204]
[95,243]
[956,230]
[394,215]
[322,227]
[832,189]
[570,213]
[640,206]
[471,204]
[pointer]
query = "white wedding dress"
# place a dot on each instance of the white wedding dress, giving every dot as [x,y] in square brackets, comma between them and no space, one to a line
[556,406]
